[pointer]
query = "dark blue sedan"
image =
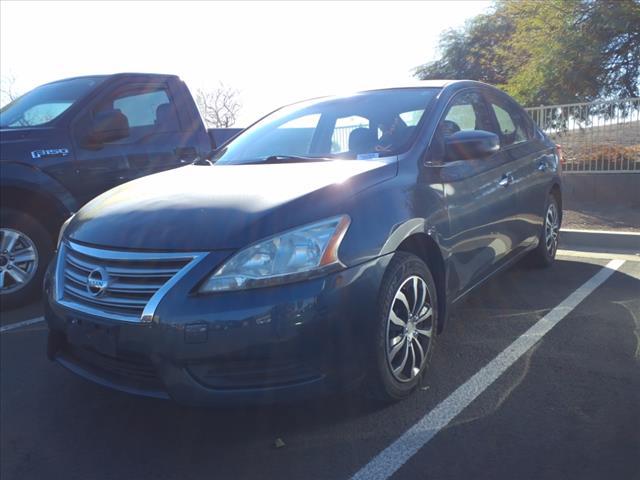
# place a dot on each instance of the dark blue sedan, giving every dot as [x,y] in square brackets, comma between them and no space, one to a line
[320,250]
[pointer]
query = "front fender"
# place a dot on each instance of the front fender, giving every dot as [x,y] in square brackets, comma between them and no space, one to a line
[26,177]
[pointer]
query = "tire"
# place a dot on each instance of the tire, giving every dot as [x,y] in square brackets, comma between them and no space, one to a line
[545,253]
[388,378]
[21,281]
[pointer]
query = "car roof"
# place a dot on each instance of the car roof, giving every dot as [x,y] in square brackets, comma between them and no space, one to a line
[427,84]
[440,84]
[409,84]
[114,75]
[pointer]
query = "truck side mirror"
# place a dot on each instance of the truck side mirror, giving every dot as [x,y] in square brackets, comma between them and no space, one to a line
[108,126]
[471,145]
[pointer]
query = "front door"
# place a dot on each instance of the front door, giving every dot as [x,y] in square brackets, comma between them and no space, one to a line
[480,198]
[155,140]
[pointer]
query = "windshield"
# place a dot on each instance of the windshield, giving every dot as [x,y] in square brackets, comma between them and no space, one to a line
[45,103]
[362,126]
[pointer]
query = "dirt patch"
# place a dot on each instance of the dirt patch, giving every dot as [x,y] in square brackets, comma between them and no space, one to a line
[589,216]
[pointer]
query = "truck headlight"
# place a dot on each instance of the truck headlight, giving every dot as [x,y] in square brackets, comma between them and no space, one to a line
[286,257]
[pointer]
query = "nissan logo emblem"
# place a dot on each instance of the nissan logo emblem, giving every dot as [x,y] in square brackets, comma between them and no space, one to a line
[97,282]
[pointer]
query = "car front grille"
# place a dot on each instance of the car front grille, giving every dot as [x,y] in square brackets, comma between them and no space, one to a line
[116,284]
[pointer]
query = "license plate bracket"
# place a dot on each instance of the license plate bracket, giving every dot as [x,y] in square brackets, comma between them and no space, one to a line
[99,337]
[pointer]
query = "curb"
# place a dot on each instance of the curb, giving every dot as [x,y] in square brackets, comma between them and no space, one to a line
[600,241]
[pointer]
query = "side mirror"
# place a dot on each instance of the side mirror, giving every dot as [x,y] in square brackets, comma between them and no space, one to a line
[471,145]
[108,126]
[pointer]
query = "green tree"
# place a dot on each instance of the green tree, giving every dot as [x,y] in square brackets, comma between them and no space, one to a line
[557,51]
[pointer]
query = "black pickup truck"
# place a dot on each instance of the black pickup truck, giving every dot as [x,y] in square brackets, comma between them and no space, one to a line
[63,143]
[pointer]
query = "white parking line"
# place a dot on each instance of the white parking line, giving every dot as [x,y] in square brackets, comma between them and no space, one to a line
[24,323]
[387,462]
[600,255]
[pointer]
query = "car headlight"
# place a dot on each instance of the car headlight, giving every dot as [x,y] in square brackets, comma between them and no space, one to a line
[283,258]
[63,228]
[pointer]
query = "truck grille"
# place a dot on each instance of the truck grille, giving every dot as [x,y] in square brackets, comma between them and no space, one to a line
[114,284]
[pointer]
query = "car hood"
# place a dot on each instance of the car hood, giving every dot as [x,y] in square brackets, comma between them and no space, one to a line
[203,208]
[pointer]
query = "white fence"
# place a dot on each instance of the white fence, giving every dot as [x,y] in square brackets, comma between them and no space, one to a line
[601,136]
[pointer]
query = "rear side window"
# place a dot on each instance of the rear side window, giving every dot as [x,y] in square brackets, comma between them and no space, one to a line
[512,122]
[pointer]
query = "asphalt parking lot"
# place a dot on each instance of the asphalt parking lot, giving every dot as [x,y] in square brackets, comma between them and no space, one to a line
[567,407]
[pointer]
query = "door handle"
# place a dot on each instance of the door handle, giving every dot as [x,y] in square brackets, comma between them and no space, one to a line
[506,180]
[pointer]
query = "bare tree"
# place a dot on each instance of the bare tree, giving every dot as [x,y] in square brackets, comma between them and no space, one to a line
[219,107]
[8,92]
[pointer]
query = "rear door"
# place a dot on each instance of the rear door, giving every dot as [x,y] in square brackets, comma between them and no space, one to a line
[155,143]
[480,198]
[529,165]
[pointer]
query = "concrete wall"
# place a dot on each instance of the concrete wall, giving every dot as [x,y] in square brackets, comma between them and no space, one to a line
[604,188]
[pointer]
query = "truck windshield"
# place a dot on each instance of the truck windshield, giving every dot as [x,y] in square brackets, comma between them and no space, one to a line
[362,126]
[45,103]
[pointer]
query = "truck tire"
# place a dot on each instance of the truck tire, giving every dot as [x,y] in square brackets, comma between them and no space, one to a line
[26,248]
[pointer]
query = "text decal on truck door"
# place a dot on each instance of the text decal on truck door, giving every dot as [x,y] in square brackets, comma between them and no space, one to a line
[53,152]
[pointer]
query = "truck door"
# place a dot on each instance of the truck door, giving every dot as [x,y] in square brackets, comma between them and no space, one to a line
[155,140]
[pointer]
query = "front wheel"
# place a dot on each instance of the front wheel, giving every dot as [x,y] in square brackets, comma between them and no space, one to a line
[405,329]
[25,250]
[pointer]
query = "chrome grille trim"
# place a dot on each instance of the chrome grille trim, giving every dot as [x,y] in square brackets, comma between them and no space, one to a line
[137,290]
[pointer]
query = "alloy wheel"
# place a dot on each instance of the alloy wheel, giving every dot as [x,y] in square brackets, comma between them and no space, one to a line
[18,260]
[409,329]
[551,229]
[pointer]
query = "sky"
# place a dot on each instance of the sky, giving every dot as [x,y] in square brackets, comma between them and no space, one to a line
[274,53]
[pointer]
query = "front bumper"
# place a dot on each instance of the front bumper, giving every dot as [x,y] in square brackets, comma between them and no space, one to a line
[284,343]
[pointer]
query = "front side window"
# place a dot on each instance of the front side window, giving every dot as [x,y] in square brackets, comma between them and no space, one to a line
[361,126]
[148,109]
[46,103]
[466,112]
[141,109]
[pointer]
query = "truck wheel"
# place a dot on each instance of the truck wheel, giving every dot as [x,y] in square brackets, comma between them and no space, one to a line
[404,330]
[25,250]
[545,252]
